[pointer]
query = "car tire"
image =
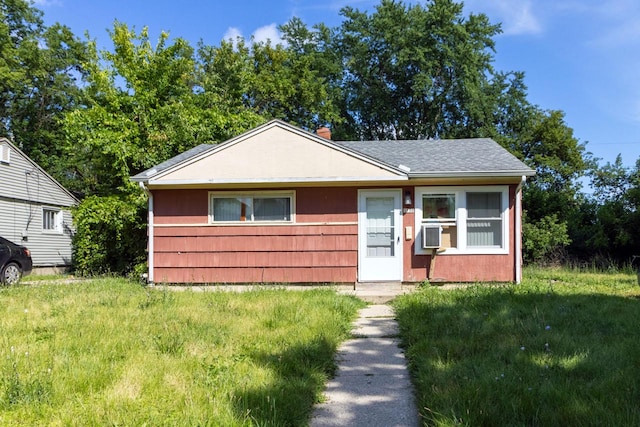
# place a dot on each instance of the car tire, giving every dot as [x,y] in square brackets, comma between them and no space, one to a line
[11,274]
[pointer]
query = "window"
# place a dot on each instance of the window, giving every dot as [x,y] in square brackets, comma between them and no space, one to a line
[51,220]
[5,153]
[440,208]
[484,220]
[472,219]
[245,207]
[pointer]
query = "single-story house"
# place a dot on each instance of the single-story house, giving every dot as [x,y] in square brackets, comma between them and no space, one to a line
[280,204]
[35,210]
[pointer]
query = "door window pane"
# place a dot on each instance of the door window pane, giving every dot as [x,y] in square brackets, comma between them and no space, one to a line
[380,227]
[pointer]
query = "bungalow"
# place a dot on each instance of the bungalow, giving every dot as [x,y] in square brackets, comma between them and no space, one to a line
[35,210]
[280,204]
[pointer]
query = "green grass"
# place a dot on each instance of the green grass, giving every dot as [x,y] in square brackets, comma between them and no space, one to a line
[110,352]
[562,348]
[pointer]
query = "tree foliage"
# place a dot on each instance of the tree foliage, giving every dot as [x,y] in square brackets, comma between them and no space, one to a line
[109,236]
[39,71]
[418,72]
[611,217]
[270,81]
[544,240]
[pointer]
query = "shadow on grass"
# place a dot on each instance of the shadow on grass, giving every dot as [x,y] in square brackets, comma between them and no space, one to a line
[300,373]
[512,356]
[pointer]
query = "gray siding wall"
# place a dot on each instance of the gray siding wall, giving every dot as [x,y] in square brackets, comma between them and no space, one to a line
[25,190]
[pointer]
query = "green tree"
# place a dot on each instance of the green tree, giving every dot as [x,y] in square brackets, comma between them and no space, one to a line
[611,217]
[544,240]
[418,72]
[283,82]
[548,145]
[39,71]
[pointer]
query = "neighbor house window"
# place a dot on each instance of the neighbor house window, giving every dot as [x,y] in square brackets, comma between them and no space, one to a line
[51,220]
[251,207]
[472,219]
[5,153]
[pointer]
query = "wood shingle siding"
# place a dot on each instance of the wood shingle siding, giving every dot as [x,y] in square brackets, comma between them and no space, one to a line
[256,254]
[321,246]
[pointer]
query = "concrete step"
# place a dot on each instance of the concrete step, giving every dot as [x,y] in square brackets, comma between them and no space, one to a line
[379,286]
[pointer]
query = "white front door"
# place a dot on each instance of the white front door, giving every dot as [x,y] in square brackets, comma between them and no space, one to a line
[379,235]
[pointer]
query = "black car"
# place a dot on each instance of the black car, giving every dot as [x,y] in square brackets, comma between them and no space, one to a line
[15,261]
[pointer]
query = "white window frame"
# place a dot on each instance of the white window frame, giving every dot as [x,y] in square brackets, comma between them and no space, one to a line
[252,194]
[57,220]
[461,218]
[5,153]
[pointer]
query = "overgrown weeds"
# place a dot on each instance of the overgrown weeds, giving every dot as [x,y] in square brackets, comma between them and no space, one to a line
[560,349]
[139,356]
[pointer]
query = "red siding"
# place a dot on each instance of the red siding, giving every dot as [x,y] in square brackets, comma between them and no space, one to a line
[181,206]
[321,247]
[327,204]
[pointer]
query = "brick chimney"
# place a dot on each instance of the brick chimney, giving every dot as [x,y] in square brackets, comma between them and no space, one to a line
[324,132]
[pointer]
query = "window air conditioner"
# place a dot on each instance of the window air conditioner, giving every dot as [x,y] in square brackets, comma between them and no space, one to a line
[431,236]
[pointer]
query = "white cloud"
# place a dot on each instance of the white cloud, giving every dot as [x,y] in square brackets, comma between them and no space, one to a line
[517,17]
[266,33]
[232,34]
[261,35]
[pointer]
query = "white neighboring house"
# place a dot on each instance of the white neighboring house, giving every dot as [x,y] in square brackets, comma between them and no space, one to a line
[35,210]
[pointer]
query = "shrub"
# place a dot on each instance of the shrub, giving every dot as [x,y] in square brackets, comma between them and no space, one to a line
[110,234]
[544,239]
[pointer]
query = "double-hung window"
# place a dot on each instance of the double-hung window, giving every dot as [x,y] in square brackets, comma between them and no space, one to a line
[484,219]
[251,207]
[472,220]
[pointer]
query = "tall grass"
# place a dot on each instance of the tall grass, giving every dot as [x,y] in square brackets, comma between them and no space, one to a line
[562,348]
[110,352]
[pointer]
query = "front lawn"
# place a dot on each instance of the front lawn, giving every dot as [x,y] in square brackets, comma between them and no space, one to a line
[110,352]
[562,348]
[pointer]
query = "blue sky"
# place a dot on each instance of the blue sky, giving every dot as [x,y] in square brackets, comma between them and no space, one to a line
[579,56]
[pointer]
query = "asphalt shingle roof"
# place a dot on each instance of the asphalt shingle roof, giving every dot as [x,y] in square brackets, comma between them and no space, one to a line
[446,156]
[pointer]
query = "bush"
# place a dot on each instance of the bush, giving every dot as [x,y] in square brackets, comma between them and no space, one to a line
[545,239]
[110,234]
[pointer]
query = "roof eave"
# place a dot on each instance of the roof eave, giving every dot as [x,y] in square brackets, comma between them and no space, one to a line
[357,179]
[472,174]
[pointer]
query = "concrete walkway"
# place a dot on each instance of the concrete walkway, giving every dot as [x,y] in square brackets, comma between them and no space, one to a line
[372,386]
